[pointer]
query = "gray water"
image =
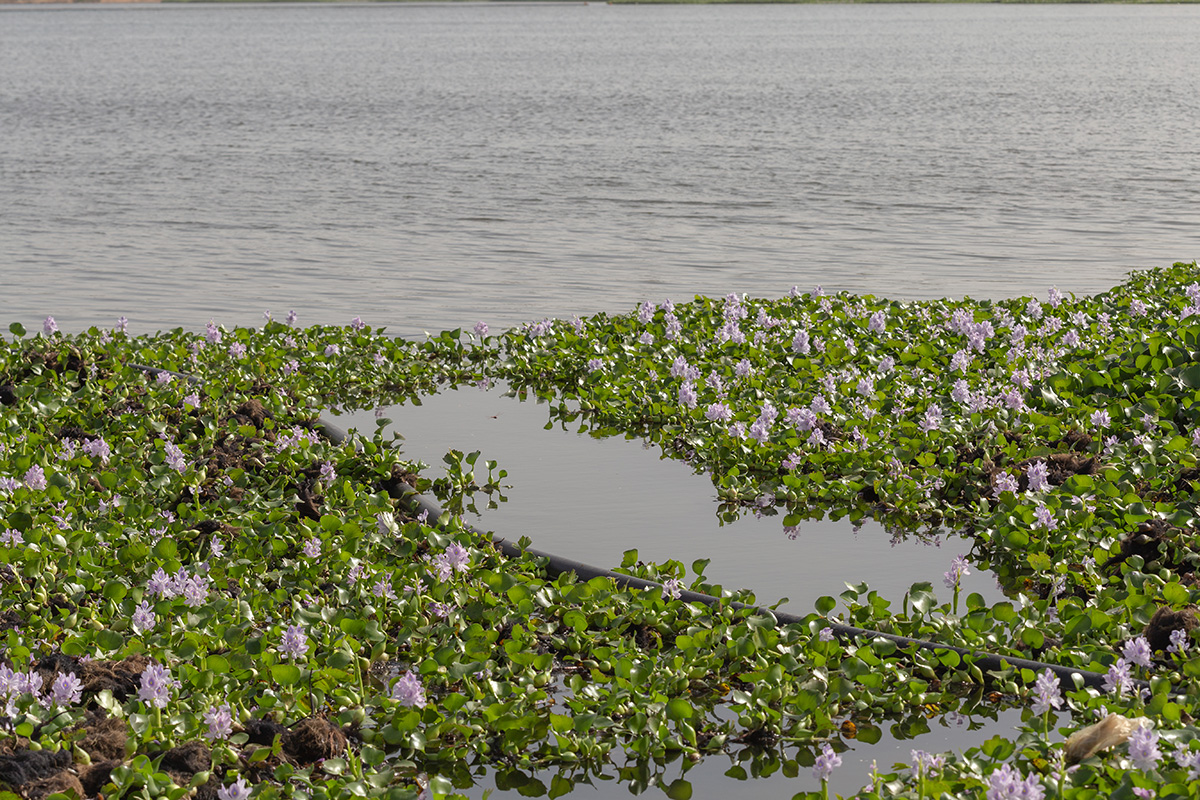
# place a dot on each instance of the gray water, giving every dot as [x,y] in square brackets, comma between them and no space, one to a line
[427,166]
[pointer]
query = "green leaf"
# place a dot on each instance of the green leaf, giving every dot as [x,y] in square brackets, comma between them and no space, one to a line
[286,674]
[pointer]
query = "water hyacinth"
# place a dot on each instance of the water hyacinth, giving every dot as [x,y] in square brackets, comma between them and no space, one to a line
[847,428]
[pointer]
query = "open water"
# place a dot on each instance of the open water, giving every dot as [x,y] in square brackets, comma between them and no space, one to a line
[428,166]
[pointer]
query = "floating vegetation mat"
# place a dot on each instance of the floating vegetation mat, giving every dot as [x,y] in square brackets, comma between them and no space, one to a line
[202,595]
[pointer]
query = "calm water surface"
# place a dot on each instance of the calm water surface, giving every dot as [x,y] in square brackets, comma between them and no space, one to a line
[427,166]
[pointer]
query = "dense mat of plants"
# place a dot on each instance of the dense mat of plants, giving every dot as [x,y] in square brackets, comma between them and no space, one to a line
[201,593]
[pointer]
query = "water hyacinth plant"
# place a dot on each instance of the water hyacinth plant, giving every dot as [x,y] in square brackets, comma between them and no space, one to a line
[199,592]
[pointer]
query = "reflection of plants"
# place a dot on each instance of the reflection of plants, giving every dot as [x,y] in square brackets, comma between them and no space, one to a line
[201,546]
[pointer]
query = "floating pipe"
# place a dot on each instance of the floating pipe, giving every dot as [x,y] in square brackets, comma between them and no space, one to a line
[557,565]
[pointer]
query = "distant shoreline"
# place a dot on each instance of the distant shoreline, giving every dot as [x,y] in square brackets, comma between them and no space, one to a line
[634,2]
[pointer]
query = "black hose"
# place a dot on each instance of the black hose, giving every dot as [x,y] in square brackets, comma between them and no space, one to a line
[557,565]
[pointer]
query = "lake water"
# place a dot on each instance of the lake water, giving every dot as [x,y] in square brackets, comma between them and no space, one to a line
[428,166]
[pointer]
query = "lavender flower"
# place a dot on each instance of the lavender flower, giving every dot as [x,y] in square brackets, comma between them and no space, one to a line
[122,324]
[1045,518]
[595,365]
[958,568]
[219,721]
[333,349]
[408,690]
[295,642]
[1048,695]
[49,326]
[1189,760]
[156,685]
[143,617]
[671,588]
[826,763]
[328,473]
[237,350]
[1100,419]
[1038,475]
[312,548]
[1143,748]
[481,329]
[1118,681]
[98,448]
[35,478]
[826,634]
[1137,651]
[687,394]
[719,412]
[1179,641]
[66,690]
[234,791]
[1006,784]
[212,334]
[12,537]
[175,457]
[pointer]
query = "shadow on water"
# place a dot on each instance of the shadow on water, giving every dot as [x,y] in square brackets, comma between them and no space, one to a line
[592,499]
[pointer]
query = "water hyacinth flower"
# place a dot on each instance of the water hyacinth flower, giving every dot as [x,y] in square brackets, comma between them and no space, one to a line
[481,329]
[718,412]
[49,326]
[595,365]
[1118,681]
[1047,694]
[235,791]
[294,644]
[333,349]
[1044,518]
[687,395]
[174,457]
[312,548]
[1179,642]
[958,568]
[1137,651]
[35,478]
[143,617]
[826,634]
[1189,760]
[328,473]
[826,763]
[1143,748]
[408,691]
[1006,783]
[66,690]
[671,589]
[1101,419]
[12,537]
[156,685]
[1038,475]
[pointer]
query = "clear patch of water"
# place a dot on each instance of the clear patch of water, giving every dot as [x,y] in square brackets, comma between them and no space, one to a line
[592,499]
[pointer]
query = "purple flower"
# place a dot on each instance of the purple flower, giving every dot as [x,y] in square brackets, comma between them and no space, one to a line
[1118,680]
[1038,475]
[98,448]
[1189,760]
[878,323]
[295,642]
[927,762]
[826,763]
[1045,518]
[646,338]
[291,317]
[1006,784]
[212,334]
[886,365]
[333,350]
[49,326]
[743,369]
[1048,695]
[383,589]
[66,690]
[933,418]
[1143,748]
[800,343]
[826,634]
[687,394]
[408,690]
[328,473]
[174,457]
[312,548]
[35,478]
[481,329]
[12,537]
[1100,419]
[122,324]
[671,588]
[234,791]
[958,568]
[219,721]
[718,412]
[595,365]
[1179,641]
[455,558]
[237,349]
[961,361]
[1137,651]
[291,367]
[143,617]
[357,324]
[156,685]
[191,401]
